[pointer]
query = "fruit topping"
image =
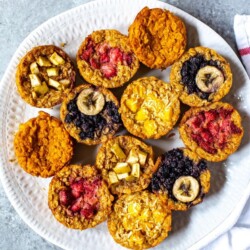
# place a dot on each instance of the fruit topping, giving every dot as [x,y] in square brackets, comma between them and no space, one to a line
[90,102]
[174,164]
[209,79]
[186,188]
[212,129]
[116,149]
[201,84]
[53,83]
[41,89]
[113,177]
[106,58]
[34,68]
[35,80]
[122,167]
[43,61]
[53,71]
[56,59]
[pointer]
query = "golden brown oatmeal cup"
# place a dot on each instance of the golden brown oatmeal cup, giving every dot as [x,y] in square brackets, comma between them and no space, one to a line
[213,132]
[126,163]
[42,145]
[181,166]
[96,128]
[158,37]
[149,108]
[202,76]
[140,220]
[44,76]
[79,198]
[106,59]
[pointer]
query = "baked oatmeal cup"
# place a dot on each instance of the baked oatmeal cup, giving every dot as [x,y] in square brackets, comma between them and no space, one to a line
[90,114]
[42,145]
[202,76]
[158,37]
[149,108]
[126,163]
[44,76]
[140,220]
[183,177]
[213,132]
[106,59]
[79,198]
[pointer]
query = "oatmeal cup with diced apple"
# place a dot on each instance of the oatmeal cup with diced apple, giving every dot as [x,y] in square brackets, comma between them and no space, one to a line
[126,163]
[106,59]
[44,76]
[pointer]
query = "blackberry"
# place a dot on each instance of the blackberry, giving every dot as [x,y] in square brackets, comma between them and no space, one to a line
[189,71]
[173,165]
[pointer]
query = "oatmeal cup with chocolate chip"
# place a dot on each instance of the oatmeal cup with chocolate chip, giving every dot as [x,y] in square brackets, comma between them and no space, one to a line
[106,59]
[213,132]
[149,108]
[90,114]
[79,198]
[183,177]
[44,76]
[202,76]
[126,164]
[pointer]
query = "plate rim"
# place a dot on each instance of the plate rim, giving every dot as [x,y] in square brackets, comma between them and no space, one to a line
[12,196]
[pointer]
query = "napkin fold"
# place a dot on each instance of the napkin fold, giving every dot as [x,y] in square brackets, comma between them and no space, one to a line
[242,36]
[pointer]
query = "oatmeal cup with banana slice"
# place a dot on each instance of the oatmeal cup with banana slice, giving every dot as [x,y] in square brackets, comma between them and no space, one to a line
[183,177]
[126,163]
[44,76]
[202,76]
[90,114]
[106,59]
[79,198]
[149,108]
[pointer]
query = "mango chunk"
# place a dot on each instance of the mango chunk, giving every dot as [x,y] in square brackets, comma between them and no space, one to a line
[53,71]
[118,151]
[122,167]
[132,105]
[134,209]
[166,115]
[135,170]
[113,177]
[150,128]
[34,68]
[56,59]
[43,61]
[141,115]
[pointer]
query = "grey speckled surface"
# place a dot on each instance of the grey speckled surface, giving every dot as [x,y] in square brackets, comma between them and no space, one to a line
[19,18]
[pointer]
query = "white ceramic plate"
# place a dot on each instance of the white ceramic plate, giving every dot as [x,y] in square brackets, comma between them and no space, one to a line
[28,194]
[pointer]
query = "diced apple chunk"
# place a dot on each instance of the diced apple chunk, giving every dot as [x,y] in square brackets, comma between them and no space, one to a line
[113,177]
[130,178]
[53,71]
[122,176]
[65,82]
[142,157]
[34,80]
[135,170]
[56,59]
[122,167]
[43,61]
[34,68]
[54,83]
[41,89]
[132,156]
[118,151]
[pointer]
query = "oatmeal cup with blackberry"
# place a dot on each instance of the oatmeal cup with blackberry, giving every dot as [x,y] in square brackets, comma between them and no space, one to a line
[149,108]
[44,76]
[202,76]
[79,198]
[213,132]
[183,177]
[140,220]
[90,114]
[106,59]
[126,164]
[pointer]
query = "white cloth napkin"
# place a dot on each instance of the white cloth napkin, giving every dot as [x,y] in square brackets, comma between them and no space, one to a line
[238,238]
[242,36]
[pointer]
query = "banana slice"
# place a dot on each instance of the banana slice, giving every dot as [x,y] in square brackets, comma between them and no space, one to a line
[90,102]
[186,188]
[209,79]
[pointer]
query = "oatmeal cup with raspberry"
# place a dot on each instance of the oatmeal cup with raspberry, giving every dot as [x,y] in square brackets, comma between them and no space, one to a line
[213,132]
[79,198]
[90,114]
[106,59]
[149,108]
[44,76]
[126,164]
[202,76]
[158,37]
[183,177]
[140,220]
[42,145]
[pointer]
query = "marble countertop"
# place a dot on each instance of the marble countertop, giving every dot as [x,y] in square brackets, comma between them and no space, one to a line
[19,18]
